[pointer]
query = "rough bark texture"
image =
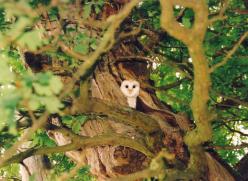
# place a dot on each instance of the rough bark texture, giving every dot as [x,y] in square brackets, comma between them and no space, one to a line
[33,166]
[111,161]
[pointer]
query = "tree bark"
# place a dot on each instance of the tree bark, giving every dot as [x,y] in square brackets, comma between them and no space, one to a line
[112,161]
[33,166]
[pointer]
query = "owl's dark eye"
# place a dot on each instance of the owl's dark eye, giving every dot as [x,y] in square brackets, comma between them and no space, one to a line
[134,86]
[126,86]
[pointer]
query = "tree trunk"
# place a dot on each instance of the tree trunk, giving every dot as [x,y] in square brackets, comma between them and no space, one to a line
[33,167]
[111,161]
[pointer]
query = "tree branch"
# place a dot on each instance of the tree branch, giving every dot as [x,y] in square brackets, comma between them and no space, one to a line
[236,100]
[220,16]
[70,52]
[106,43]
[82,142]
[193,38]
[126,115]
[234,130]
[230,53]
[229,147]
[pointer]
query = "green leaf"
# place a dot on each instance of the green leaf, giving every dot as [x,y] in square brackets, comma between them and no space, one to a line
[52,104]
[43,78]
[74,122]
[86,10]
[82,48]
[55,85]
[79,121]
[32,40]
[67,120]
[186,22]
[32,177]
[6,76]
[93,44]
[42,90]
[34,103]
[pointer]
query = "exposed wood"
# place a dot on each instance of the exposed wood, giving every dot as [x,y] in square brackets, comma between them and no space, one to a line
[33,165]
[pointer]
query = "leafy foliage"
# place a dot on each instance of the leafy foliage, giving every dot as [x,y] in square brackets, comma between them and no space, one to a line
[23,91]
[74,122]
[229,82]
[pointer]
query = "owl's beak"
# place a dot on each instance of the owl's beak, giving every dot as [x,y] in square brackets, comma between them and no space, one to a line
[130,91]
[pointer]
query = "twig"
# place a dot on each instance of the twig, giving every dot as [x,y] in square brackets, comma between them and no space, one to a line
[134,58]
[169,86]
[220,16]
[181,13]
[230,53]
[72,53]
[229,147]
[236,100]
[234,130]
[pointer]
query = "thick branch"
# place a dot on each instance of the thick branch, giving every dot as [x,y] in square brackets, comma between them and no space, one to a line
[158,169]
[128,116]
[82,142]
[193,38]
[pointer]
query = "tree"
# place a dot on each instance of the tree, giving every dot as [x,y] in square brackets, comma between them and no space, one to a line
[63,63]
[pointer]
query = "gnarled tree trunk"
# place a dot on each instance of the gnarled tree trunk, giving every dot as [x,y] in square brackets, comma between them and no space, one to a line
[111,161]
[166,129]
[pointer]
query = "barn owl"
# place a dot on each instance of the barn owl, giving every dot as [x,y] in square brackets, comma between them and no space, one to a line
[130,88]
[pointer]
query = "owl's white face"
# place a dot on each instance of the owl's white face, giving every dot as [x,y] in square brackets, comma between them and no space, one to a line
[130,88]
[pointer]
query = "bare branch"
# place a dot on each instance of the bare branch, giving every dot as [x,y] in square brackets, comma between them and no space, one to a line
[234,130]
[229,147]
